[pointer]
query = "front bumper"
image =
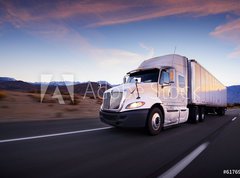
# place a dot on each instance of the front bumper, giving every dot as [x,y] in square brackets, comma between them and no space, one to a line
[136,118]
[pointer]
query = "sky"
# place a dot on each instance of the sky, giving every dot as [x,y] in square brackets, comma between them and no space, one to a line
[104,39]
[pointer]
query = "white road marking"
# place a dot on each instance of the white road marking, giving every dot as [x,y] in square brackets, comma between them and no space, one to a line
[53,135]
[234,118]
[176,169]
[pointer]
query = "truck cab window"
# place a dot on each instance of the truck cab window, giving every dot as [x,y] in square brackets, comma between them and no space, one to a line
[181,81]
[145,76]
[164,78]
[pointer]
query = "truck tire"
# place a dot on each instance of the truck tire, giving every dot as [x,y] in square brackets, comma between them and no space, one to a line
[201,114]
[154,121]
[194,114]
[221,111]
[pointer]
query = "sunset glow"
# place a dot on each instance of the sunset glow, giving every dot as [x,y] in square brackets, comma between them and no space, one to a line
[103,40]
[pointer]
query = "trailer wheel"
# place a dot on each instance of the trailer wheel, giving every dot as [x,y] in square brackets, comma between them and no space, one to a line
[155,121]
[201,114]
[221,111]
[194,114]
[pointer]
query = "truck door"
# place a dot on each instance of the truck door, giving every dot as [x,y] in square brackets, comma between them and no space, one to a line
[168,95]
[182,97]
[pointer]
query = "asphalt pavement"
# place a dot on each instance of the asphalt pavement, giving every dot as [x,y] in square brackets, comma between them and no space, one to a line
[89,148]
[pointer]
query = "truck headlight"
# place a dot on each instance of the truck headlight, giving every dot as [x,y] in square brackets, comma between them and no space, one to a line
[135,105]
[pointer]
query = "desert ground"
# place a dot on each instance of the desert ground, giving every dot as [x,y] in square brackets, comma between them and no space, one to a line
[21,106]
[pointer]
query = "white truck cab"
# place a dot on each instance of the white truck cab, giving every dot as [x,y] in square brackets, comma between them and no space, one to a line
[159,93]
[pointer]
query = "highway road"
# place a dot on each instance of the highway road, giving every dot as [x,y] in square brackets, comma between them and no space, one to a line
[89,148]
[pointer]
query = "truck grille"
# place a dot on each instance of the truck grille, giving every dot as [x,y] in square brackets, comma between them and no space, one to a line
[112,100]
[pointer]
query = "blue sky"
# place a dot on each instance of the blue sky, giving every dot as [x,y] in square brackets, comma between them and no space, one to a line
[103,40]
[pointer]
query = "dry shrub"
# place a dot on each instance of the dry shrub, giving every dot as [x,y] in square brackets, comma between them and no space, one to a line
[77,97]
[37,98]
[49,100]
[99,101]
[2,94]
[91,97]
[59,114]
[71,109]
[74,102]
[4,106]
[35,91]
[66,97]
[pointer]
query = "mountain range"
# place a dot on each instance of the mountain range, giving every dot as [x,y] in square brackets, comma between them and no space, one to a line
[79,88]
[6,83]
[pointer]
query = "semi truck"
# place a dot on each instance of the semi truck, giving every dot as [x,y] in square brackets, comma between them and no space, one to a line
[164,91]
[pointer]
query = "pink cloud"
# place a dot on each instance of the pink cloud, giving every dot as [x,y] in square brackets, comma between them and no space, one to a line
[235,54]
[50,18]
[18,15]
[157,9]
[70,10]
[229,31]
[103,13]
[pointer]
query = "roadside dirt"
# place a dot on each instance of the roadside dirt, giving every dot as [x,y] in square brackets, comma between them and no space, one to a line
[19,106]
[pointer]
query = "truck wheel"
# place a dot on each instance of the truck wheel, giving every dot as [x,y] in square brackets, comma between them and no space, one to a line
[155,121]
[201,114]
[221,111]
[194,114]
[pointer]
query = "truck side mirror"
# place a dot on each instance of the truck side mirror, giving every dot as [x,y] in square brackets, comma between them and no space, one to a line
[171,75]
[124,79]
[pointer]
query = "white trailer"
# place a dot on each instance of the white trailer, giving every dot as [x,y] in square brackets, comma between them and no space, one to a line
[163,91]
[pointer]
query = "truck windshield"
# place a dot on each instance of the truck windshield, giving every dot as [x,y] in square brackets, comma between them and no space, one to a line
[145,76]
